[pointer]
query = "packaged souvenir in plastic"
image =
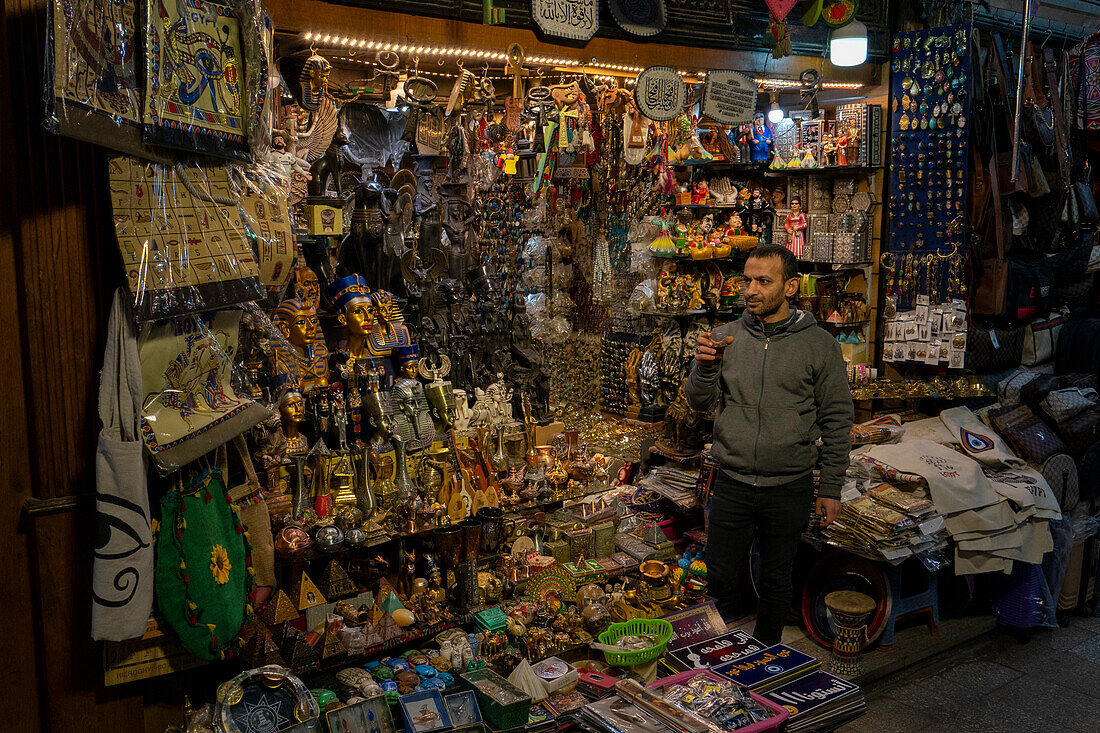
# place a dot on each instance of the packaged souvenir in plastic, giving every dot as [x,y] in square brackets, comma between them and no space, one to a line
[197,86]
[184,245]
[194,399]
[91,88]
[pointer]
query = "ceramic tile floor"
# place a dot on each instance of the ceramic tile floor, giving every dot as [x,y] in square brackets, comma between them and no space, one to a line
[996,682]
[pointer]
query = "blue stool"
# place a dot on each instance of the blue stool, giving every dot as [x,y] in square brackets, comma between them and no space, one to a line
[919,602]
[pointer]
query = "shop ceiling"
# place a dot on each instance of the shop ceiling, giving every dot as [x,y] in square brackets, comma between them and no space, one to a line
[703,36]
[1061,20]
[739,25]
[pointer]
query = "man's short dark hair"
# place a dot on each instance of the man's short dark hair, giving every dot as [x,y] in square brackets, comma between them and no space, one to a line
[787,258]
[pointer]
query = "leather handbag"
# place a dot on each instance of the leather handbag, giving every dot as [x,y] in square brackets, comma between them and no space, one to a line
[1011,387]
[1041,339]
[1022,184]
[249,498]
[1028,435]
[1081,431]
[989,291]
[994,349]
[1064,404]
[1029,285]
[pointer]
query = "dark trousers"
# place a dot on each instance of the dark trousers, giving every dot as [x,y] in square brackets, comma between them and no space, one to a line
[777,515]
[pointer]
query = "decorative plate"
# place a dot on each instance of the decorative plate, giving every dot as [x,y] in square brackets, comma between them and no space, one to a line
[640,17]
[838,13]
[264,700]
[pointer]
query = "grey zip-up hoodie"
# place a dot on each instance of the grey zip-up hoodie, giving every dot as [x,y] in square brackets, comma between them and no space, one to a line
[776,395]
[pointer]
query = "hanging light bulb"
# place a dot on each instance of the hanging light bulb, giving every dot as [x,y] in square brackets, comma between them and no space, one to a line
[848,45]
[775,112]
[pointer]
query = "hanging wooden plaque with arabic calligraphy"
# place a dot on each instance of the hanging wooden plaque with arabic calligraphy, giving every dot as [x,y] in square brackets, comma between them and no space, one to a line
[729,97]
[576,19]
[660,93]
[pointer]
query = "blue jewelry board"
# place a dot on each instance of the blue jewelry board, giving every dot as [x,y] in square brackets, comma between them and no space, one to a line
[929,152]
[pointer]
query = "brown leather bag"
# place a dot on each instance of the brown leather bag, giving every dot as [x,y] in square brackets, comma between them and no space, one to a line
[992,285]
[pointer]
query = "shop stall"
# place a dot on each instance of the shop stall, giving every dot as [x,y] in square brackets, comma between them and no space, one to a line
[396,312]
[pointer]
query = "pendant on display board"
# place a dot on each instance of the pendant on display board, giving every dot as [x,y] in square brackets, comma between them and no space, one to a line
[903,122]
[962,122]
[906,103]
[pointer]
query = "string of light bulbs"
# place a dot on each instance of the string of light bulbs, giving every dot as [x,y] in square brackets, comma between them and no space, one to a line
[452,75]
[464,52]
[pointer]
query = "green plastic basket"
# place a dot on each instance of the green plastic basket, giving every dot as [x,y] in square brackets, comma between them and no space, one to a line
[658,626]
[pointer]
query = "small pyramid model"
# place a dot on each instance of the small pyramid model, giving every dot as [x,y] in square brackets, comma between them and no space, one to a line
[298,653]
[388,628]
[331,646]
[305,592]
[261,649]
[335,582]
[278,609]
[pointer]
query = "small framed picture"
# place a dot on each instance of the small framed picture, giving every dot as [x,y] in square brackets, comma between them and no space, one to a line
[463,709]
[366,716]
[424,711]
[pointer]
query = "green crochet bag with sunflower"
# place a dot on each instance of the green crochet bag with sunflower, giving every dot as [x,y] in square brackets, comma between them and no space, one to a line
[203,566]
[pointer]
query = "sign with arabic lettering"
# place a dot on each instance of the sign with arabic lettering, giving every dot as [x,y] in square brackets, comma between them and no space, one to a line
[729,97]
[695,624]
[576,19]
[660,93]
[717,650]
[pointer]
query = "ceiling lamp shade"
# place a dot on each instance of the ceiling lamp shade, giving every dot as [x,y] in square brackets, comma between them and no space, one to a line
[848,45]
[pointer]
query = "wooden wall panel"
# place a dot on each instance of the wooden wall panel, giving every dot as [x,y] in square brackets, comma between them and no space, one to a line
[56,276]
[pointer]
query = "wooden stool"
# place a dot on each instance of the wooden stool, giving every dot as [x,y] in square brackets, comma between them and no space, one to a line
[850,611]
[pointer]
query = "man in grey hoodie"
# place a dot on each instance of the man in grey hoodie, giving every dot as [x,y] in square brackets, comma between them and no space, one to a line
[782,404]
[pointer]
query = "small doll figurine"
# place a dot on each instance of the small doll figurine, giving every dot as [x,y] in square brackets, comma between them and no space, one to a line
[693,292]
[761,139]
[829,150]
[796,227]
[698,249]
[699,193]
[842,146]
[507,162]
[731,291]
[683,231]
[720,245]
[808,159]
[666,282]
[759,213]
[664,181]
